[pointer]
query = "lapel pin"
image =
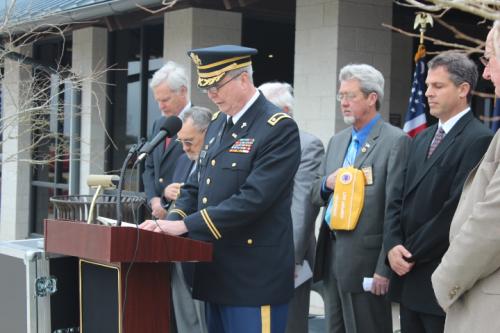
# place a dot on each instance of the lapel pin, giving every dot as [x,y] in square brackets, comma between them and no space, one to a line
[363,150]
[234,135]
[244,125]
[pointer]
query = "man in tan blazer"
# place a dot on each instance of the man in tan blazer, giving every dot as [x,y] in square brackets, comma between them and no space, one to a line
[467,282]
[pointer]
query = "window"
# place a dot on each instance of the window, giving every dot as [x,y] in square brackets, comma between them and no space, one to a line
[135,55]
[50,131]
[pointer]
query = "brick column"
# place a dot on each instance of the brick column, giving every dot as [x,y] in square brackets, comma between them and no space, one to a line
[190,28]
[330,34]
[16,170]
[90,49]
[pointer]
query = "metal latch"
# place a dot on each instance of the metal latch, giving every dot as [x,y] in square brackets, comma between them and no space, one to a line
[45,286]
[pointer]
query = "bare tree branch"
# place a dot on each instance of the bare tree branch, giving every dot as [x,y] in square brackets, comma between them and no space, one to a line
[166,4]
[488,9]
[453,46]
[40,106]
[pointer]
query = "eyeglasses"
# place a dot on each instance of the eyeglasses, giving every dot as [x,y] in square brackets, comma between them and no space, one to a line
[187,143]
[349,96]
[485,61]
[215,89]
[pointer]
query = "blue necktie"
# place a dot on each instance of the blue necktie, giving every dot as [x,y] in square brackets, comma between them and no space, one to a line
[352,151]
[349,159]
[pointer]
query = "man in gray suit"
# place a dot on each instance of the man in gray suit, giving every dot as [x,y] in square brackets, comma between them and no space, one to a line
[303,212]
[345,258]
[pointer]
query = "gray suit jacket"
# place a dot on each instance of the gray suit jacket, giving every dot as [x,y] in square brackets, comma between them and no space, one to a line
[359,253]
[467,282]
[303,212]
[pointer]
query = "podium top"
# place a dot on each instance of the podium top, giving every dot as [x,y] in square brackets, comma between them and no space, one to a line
[118,244]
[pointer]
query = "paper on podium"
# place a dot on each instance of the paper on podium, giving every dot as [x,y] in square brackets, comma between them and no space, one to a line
[112,222]
[303,273]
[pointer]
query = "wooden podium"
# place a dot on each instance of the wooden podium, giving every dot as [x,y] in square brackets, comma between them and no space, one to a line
[122,267]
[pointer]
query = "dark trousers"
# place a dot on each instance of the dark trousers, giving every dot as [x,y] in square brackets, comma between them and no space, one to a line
[419,322]
[246,319]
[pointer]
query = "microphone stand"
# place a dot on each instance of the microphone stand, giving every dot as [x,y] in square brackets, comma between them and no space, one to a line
[134,149]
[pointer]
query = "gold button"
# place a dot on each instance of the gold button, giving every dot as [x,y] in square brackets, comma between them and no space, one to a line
[204,200]
[160,180]
[250,241]
[208,181]
[213,162]
[234,164]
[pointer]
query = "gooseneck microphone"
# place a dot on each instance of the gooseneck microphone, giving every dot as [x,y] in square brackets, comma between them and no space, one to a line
[168,128]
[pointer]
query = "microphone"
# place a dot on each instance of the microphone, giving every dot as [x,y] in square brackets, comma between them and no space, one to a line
[168,128]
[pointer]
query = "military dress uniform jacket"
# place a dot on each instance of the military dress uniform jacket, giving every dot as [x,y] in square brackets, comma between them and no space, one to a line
[239,199]
[160,165]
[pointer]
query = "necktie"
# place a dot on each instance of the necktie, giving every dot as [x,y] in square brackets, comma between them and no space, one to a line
[229,125]
[167,142]
[352,151]
[438,137]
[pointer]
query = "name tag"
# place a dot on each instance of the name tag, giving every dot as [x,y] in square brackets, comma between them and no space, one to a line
[368,172]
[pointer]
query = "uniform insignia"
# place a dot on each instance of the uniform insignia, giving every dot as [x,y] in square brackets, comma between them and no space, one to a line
[234,135]
[277,117]
[195,58]
[244,125]
[215,115]
[211,141]
[243,146]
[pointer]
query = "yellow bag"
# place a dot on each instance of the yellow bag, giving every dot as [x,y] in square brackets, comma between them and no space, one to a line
[348,199]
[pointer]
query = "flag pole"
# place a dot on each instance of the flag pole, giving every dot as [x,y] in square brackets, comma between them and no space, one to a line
[415,119]
[422,19]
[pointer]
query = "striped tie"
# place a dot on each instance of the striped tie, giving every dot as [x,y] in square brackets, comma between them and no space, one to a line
[438,137]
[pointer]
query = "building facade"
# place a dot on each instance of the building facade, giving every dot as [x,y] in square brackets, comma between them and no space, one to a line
[115,46]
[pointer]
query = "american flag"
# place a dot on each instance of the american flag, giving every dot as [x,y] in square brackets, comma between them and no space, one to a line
[416,121]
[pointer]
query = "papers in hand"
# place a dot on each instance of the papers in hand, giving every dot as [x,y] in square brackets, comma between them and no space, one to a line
[303,273]
[367,284]
[112,222]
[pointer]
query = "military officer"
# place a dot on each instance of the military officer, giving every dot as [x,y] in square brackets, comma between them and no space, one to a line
[239,199]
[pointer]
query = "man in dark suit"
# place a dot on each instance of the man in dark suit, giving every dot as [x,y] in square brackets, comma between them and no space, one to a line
[240,199]
[304,213]
[169,85]
[416,234]
[189,313]
[345,258]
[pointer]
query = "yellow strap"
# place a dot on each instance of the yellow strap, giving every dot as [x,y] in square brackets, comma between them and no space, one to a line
[231,67]
[178,211]
[265,316]
[210,224]
[277,117]
[222,62]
